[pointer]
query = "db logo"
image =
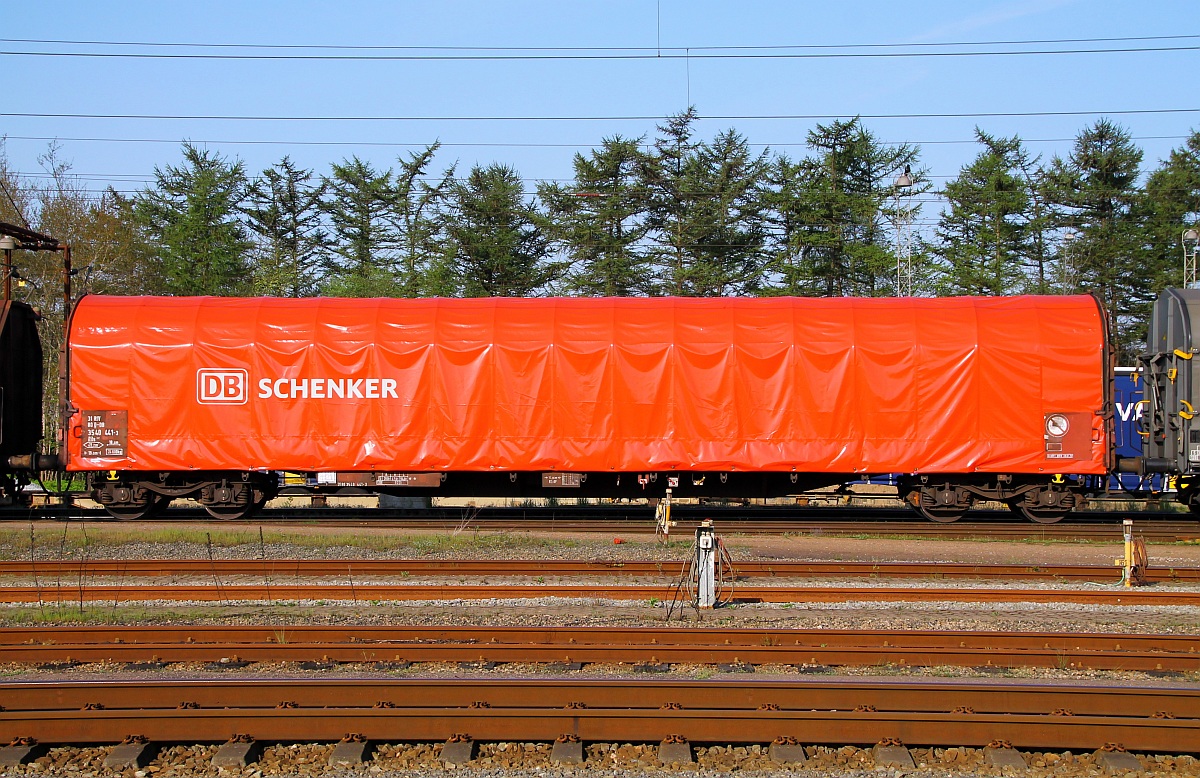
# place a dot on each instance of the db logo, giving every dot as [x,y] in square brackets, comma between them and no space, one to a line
[221,387]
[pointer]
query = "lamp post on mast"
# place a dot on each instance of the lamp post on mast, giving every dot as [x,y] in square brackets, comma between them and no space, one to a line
[904,269]
[1190,240]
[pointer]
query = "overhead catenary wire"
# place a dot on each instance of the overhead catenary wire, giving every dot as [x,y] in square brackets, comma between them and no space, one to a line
[659,47]
[384,53]
[498,144]
[587,118]
[668,55]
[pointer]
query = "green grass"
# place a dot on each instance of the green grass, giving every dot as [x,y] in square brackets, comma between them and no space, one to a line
[68,613]
[15,544]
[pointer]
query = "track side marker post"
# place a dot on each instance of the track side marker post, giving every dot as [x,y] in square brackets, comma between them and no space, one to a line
[706,565]
[1133,564]
[662,516]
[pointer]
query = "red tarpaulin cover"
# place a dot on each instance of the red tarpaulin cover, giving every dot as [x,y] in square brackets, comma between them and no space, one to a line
[820,385]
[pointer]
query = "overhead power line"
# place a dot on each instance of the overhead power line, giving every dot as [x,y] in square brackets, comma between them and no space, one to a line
[713,117]
[687,54]
[176,141]
[495,144]
[137,178]
[615,49]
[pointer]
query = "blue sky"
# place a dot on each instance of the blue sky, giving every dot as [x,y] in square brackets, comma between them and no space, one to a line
[1097,83]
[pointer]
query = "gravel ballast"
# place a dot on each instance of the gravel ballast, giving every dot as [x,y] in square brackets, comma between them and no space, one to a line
[518,760]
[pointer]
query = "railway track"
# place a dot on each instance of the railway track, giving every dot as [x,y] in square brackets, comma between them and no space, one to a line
[648,648]
[636,520]
[360,592]
[782,569]
[1163,720]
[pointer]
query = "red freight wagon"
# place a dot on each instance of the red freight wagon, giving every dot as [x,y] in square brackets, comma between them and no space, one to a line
[214,398]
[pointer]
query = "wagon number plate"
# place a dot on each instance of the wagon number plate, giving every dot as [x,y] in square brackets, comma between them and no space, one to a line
[105,434]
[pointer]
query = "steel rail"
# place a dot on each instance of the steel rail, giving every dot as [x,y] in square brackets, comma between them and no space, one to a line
[1023,531]
[583,645]
[829,711]
[570,636]
[636,521]
[615,567]
[73,592]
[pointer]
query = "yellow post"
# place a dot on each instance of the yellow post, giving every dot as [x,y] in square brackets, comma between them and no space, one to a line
[1127,572]
[663,514]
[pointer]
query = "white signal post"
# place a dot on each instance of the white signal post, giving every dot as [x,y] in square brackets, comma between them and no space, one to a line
[706,565]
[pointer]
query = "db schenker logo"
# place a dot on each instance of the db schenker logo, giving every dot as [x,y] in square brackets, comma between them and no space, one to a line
[221,387]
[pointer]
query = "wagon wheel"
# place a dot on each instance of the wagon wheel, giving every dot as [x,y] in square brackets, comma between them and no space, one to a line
[942,514]
[133,512]
[228,513]
[1040,515]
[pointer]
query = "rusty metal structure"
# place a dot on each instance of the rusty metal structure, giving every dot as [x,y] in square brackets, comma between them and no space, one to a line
[648,648]
[20,391]
[21,367]
[360,591]
[777,569]
[25,239]
[837,711]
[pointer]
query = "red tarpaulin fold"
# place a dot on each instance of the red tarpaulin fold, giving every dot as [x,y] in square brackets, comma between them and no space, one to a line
[882,385]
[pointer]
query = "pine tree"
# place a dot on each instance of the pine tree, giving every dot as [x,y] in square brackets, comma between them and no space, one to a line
[1172,206]
[190,215]
[667,175]
[417,215]
[359,203]
[283,209]
[706,211]
[835,207]
[1040,259]
[789,215]
[599,221]
[729,253]
[984,239]
[499,247]
[1094,194]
